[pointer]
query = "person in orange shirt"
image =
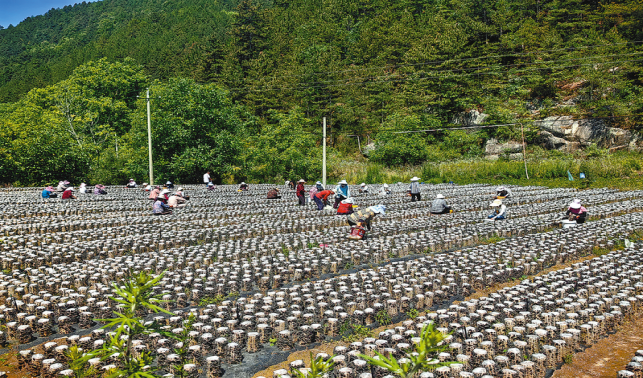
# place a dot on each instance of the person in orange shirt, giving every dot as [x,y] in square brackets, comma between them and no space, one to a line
[321,198]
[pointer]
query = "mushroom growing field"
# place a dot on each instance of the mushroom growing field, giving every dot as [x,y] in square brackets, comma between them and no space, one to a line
[242,283]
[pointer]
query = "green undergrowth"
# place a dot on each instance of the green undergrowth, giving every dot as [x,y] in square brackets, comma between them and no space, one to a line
[619,170]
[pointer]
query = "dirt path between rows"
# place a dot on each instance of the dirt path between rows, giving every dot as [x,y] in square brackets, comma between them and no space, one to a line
[605,358]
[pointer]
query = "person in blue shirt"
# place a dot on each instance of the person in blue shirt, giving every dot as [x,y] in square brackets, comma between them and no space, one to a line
[342,192]
[48,192]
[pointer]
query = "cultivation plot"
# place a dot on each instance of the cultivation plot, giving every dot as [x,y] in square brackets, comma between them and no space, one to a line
[243,282]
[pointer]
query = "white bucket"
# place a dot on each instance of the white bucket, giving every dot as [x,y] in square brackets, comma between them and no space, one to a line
[568,224]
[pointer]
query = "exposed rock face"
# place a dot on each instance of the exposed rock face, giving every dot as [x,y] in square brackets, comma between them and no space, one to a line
[510,149]
[470,118]
[565,133]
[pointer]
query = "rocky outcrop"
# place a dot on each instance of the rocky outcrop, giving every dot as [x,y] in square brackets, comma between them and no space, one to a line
[510,149]
[565,133]
[470,118]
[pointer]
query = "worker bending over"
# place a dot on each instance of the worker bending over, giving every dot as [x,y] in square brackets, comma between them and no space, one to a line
[502,192]
[69,193]
[576,212]
[365,217]
[345,207]
[321,198]
[440,206]
[274,194]
[363,188]
[160,206]
[384,191]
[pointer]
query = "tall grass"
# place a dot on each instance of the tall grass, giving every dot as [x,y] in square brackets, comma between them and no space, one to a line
[620,165]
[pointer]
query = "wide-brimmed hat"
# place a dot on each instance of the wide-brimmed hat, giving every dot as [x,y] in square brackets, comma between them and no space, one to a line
[415,179]
[362,184]
[168,183]
[496,203]
[379,209]
[97,186]
[145,184]
[386,185]
[318,183]
[180,189]
[301,180]
[575,205]
[66,182]
[210,184]
[243,183]
[343,182]
[500,189]
[439,196]
[49,188]
[71,188]
[131,179]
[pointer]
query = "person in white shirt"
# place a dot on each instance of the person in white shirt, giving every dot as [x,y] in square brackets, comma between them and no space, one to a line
[384,191]
[499,210]
[363,188]
[206,178]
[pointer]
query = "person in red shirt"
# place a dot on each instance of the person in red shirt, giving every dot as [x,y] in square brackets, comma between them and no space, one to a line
[301,192]
[321,198]
[69,193]
[345,207]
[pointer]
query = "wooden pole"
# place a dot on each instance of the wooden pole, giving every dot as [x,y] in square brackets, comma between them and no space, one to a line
[524,150]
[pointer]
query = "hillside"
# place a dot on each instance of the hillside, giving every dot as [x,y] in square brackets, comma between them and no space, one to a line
[167,37]
[275,68]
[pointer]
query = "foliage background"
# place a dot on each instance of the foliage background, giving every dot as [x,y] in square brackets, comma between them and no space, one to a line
[240,86]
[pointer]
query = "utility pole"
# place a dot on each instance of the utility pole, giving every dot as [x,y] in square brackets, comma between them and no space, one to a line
[324,153]
[149,135]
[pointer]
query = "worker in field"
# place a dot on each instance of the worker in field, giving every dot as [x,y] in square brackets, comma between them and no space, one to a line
[363,188]
[62,186]
[342,192]
[321,198]
[576,212]
[345,207]
[384,190]
[99,189]
[49,192]
[160,206]
[181,193]
[363,218]
[274,194]
[301,192]
[154,193]
[243,187]
[69,193]
[176,201]
[502,192]
[440,205]
[131,184]
[83,188]
[499,210]
[414,189]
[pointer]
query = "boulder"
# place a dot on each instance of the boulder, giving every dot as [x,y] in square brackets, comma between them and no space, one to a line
[583,132]
[492,147]
[470,118]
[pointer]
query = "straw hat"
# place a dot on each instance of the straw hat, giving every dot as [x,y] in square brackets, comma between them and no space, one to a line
[180,189]
[302,180]
[496,203]
[164,191]
[362,184]
[415,179]
[574,205]
[439,196]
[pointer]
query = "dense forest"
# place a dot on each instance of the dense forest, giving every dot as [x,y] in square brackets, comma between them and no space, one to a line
[240,86]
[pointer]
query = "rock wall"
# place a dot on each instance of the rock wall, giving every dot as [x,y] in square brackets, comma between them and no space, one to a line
[566,134]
